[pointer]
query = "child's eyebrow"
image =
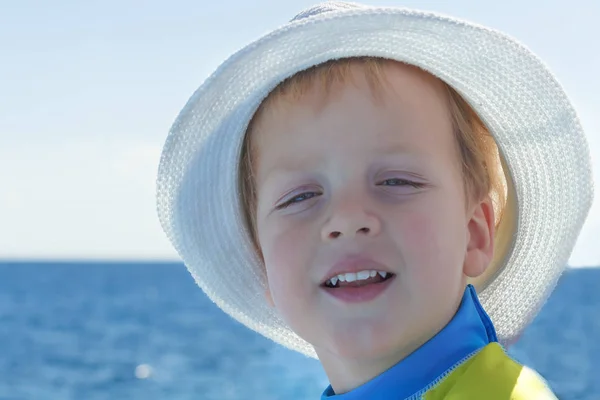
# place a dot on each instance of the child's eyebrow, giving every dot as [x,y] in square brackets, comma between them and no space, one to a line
[395,149]
[402,149]
[276,173]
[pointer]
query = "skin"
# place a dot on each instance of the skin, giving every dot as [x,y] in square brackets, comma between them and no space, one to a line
[343,173]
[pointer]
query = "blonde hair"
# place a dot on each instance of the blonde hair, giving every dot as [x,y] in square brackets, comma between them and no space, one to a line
[480,161]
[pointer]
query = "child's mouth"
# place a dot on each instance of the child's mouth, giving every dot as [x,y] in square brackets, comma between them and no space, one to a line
[359,279]
[358,287]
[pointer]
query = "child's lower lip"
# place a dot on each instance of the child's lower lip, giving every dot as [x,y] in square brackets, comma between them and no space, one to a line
[359,294]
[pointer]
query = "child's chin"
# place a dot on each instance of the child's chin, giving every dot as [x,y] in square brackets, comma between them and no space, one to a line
[355,345]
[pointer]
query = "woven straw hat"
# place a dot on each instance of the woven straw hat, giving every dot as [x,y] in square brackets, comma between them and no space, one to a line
[543,150]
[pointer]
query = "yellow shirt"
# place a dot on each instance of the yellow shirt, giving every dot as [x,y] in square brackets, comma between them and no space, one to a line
[490,375]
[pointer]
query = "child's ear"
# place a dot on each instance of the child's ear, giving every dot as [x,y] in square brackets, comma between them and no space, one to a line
[480,238]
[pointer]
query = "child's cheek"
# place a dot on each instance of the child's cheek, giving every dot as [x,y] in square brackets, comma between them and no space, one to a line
[420,245]
[433,245]
[288,262]
[286,258]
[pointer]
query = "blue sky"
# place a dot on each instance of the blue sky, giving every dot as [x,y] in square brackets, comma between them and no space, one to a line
[88,91]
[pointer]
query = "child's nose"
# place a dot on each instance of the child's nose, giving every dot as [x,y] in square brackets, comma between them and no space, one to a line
[349,222]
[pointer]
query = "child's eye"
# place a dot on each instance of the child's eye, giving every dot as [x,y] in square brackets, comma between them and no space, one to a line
[400,182]
[297,199]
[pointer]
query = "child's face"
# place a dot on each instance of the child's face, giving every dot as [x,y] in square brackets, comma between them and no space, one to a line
[351,179]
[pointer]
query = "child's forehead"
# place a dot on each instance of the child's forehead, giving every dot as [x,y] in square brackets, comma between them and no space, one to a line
[323,84]
[410,112]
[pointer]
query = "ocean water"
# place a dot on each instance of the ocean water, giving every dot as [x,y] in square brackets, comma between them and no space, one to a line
[145,331]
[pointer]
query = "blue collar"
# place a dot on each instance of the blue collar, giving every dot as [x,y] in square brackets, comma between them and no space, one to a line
[470,330]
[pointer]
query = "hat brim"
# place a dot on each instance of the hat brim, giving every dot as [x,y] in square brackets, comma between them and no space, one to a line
[537,131]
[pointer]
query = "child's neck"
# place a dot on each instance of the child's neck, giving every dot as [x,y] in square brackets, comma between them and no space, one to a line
[347,374]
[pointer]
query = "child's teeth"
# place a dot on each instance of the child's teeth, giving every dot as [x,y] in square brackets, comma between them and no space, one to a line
[362,275]
[358,276]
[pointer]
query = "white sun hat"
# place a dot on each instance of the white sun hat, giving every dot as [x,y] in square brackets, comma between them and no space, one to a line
[543,148]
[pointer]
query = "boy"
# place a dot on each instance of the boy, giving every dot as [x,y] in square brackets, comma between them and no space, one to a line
[348,184]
